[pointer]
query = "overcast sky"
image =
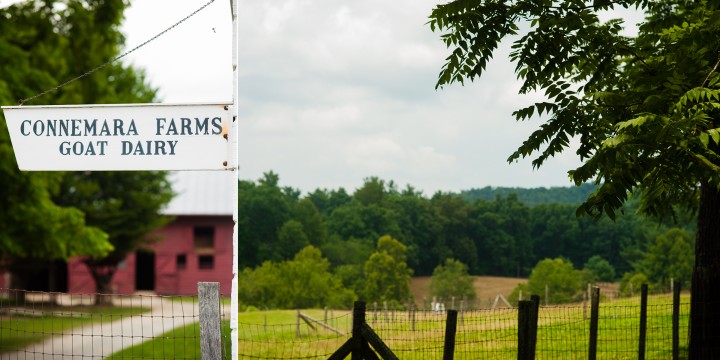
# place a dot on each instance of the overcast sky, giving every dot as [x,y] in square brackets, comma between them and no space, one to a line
[336,91]
[332,92]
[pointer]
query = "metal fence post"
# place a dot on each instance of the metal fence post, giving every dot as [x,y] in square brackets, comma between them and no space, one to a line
[210,337]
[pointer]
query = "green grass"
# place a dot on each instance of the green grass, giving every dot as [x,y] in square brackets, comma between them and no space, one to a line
[17,331]
[181,343]
[563,332]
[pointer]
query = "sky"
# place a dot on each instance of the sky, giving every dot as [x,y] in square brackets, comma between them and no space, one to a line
[332,92]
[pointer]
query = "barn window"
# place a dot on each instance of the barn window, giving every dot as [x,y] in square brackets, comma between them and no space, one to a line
[181,261]
[206,262]
[204,239]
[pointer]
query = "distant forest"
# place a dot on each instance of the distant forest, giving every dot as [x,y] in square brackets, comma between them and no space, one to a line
[494,231]
[573,195]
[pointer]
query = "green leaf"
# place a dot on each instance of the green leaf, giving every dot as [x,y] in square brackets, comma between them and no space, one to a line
[715,134]
[636,122]
[704,139]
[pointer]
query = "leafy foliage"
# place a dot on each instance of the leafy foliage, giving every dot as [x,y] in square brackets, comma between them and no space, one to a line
[304,282]
[387,276]
[532,197]
[644,107]
[631,283]
[600,269]
[641,107]
[42,44]
[501,236]
[669,257]
[563,282]
[452,280]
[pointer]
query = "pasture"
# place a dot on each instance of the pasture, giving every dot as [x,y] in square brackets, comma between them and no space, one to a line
[563,332]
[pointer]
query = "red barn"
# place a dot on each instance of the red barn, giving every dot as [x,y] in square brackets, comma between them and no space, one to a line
[196,246]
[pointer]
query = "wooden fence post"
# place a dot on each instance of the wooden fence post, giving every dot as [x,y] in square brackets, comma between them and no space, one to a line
[594,312]
[209,303]
[676,321]
[534,312]
[357,338]
[385,311]
[411,311]
[450,330]
[525,309]
[643,321]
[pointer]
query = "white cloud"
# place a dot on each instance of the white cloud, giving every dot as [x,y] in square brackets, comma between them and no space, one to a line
[332,92]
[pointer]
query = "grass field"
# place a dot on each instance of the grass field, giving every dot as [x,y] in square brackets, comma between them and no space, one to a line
[18,330]
[181,343]
[486,288]
[563,332]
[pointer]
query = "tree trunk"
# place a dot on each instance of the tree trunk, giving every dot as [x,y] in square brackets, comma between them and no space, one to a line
[17,292]
[705,299]
[102,274]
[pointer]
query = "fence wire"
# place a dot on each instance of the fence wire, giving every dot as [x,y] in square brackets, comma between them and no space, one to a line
[563,332]
[297,336]
[41,325]
[35,325]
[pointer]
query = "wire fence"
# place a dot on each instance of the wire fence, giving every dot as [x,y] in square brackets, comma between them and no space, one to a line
[563,331]
[42,325]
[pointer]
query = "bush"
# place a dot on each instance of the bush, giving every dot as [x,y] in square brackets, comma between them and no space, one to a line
[562,280]
[632,282]
[452,280]
[304,282]
[600,269]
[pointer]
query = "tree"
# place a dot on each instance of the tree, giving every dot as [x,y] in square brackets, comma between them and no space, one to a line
[452,280]
[125,205]
[644,108]
[455,225]
[313,226]
[291,239]
[600,268]
[560,278]
[670,256]
[42,44]
[387,277]
[303,282]
[631,283]
[262,211]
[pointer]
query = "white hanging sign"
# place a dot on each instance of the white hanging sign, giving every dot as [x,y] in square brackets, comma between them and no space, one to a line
[121,137]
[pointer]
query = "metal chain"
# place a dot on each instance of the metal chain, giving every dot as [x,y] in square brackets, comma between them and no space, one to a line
[23,101]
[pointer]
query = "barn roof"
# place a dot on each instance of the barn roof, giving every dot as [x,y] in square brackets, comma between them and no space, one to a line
[201,193]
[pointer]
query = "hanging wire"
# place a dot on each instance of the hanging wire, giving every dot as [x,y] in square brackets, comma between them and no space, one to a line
[89,72]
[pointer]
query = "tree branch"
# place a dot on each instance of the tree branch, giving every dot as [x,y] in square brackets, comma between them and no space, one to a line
[711,71]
